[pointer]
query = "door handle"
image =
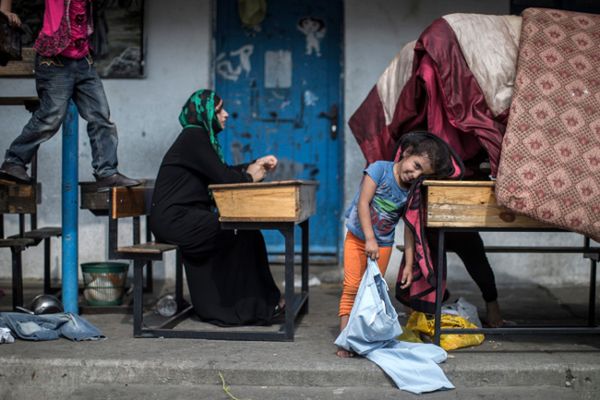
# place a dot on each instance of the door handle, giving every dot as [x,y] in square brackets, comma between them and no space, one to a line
[332,116]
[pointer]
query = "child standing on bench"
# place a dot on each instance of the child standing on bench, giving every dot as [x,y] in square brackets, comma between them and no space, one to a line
[375,211]
[64,70]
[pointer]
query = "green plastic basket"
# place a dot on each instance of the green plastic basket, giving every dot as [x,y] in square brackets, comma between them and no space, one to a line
[104,282]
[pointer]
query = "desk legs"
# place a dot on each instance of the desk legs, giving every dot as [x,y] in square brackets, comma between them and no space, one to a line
[288,234]
[47,280]
[294,305]
[17,277]
[138,307]
[438,288]
[304,227]
[592,298]
[591,327]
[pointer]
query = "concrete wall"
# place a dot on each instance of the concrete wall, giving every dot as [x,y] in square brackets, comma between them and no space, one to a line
[178,60]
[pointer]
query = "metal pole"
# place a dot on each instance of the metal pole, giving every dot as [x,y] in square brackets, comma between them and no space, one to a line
[70,288]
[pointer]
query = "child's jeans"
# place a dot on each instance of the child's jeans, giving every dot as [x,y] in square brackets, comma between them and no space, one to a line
[57,80]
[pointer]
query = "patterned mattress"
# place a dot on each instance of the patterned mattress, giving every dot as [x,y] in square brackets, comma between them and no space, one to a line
[550,162]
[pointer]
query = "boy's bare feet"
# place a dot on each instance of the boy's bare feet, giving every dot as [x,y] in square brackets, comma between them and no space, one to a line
[343,353]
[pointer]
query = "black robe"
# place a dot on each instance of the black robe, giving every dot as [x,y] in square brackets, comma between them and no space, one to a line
[228,272]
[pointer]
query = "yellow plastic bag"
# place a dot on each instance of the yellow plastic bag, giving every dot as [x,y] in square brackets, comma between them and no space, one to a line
[420,322]
[408,335]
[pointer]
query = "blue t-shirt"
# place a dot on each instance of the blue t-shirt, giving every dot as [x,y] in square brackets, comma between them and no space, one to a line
[386,207]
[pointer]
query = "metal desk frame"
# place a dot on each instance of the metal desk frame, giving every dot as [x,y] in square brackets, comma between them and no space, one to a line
[593,253]
[296,304]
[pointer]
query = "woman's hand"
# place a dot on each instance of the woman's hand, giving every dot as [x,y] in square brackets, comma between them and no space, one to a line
[259,168]
[268,162]
[256,171]
[372,249]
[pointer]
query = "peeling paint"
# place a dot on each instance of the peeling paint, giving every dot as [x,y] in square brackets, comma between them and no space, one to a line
[278,69]
[310,99]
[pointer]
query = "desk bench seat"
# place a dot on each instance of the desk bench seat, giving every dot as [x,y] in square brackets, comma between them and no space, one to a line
[134,204]
[22,199]
[150,248]
[43,233]
[17,242]
[17,245]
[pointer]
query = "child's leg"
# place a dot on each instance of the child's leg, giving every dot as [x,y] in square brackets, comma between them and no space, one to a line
[354,258]
[355,264]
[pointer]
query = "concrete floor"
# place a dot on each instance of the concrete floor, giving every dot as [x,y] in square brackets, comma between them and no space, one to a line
[121,366]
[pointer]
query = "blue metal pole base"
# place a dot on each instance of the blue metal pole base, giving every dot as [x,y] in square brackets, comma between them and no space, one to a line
[70,179]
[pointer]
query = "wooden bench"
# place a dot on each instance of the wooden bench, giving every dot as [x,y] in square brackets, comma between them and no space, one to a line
[22,199]
[471,206]
[134,203]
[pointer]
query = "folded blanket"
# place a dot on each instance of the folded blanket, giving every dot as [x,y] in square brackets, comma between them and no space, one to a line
[550,162]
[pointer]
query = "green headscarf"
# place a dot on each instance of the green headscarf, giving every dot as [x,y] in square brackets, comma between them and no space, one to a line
[199,111]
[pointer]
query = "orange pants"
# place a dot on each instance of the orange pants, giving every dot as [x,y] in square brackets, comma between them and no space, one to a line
[355,264]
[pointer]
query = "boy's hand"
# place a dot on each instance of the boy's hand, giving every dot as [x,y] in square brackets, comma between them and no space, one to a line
[13,19]
[372,249]
[407,277]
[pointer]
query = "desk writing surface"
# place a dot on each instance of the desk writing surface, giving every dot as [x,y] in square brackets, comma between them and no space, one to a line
[18,198]
[98,202]
[470,204]
[277,201]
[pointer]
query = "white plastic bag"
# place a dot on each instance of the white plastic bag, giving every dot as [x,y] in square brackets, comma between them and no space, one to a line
[463,308]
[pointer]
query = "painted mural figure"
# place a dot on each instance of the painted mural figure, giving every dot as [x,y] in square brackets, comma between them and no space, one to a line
[65,71]
[228,273]
[375,211]
[225,67]
[314,30]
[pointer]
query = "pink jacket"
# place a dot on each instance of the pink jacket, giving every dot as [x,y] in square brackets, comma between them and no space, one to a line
[55,36]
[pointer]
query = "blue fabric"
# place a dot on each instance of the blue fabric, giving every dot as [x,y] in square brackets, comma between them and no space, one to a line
[59,79]
[412,366]
[371,331]
[386,207]
[49,326]
[373,321]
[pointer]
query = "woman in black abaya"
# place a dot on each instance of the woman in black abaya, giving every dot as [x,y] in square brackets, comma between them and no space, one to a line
[228,272]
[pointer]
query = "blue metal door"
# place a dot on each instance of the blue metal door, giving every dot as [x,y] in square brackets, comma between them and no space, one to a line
[279,74]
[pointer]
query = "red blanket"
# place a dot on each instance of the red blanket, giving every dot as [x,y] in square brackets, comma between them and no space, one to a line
[441,96]
[420,295]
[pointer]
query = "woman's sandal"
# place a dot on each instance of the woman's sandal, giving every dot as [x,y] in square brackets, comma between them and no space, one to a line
[279,310]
